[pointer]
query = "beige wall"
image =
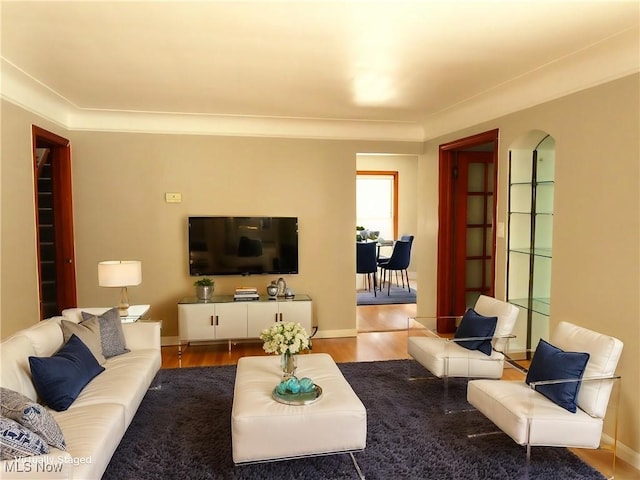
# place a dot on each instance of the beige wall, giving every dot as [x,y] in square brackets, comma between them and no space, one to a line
[19,285]
[596,240]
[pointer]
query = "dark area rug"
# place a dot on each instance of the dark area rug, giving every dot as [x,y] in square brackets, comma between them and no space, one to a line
[396,296]
[184,431]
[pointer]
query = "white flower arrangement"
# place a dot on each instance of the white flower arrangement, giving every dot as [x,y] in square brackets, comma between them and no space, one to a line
[285,337]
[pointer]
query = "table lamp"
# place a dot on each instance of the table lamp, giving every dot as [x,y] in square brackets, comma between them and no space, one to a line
[120,273]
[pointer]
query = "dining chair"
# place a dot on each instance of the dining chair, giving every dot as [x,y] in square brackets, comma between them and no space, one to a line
[404,238]
[384,259]
[399,261]
[366,263]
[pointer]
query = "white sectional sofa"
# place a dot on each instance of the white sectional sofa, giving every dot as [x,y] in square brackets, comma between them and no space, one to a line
[96,421]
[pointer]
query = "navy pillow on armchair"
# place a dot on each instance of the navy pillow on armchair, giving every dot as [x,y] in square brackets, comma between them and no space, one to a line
[552,363]
[475,325]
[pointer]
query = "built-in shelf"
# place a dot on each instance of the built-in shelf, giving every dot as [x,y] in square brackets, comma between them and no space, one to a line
[541,252]
[538,305]
[530,234]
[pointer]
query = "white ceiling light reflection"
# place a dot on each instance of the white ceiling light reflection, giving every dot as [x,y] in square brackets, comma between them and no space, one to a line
[371,89]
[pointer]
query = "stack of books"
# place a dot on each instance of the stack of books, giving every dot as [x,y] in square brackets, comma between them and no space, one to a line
[246,293]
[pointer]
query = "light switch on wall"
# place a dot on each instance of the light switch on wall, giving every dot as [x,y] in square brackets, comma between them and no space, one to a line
[173,197]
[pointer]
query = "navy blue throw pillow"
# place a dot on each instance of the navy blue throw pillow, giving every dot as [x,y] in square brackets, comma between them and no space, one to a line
[475,325]
[60,379]
[552,363]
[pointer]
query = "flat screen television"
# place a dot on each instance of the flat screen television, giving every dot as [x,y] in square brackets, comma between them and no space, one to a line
[243,245]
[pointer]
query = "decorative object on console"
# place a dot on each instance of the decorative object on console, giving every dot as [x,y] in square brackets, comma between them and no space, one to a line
[286,339]
[288,293]
[204,288]
[282,287]
[246,293]
[123,274]
[272,289]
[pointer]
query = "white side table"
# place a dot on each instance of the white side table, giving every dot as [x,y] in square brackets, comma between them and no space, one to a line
[136,312]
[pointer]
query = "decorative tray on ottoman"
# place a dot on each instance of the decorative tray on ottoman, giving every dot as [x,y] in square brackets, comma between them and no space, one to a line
[301,398]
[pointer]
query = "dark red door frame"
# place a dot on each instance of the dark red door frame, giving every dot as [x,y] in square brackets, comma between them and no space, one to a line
[445,286]
[63,213]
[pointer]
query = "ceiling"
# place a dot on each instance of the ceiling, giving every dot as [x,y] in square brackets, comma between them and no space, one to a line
[404,70]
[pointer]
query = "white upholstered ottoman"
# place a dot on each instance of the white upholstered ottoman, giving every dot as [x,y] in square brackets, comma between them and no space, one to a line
[335,423]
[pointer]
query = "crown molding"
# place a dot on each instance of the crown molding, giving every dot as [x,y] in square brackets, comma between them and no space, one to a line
[615,57]
[253,126]
[27,92]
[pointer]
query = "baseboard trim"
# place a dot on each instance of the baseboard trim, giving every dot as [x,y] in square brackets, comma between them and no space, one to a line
[169,341]
[347,332]
[623,452]
[350,332]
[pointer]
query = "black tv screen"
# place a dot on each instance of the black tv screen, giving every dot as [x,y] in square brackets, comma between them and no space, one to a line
[243,245]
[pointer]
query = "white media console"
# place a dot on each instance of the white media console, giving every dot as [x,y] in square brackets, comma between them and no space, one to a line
[222,318]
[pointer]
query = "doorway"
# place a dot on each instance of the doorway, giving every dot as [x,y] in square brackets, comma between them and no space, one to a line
[466,238]
[54,222]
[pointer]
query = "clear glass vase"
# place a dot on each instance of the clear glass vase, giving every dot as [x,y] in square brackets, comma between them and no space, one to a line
[289,363]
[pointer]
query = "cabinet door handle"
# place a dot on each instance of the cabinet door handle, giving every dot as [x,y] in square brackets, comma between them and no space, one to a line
[276,316]
[217,322]
[212,320]
[281,317]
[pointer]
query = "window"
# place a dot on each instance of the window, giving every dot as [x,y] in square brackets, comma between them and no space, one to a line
[377,202]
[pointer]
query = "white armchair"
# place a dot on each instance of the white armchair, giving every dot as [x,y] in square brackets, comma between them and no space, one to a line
[444,357]
[532,419]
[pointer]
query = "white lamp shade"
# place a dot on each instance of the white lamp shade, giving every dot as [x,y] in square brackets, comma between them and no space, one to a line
[119,273]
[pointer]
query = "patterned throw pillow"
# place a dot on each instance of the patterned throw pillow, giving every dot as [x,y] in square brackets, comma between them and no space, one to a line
[111,334]
[17,441]
[32,415]
[88,332]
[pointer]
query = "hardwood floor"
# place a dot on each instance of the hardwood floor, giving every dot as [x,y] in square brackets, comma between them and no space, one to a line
[383,336]
[384,318]
[366,347]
